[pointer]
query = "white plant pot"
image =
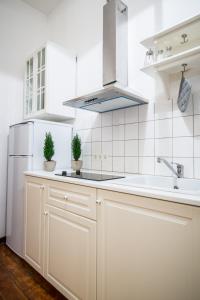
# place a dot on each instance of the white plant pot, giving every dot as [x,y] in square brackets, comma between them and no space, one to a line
[77,165]
[50,165]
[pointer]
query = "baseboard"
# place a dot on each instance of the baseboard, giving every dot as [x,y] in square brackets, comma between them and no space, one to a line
[3,240]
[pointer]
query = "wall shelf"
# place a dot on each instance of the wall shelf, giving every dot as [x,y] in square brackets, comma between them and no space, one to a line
[149,41]
[183,39]
[173,63]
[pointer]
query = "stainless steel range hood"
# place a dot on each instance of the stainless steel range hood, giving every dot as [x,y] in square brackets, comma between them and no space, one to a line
[114,94]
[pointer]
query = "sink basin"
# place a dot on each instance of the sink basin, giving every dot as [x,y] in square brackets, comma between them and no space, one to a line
[188,186]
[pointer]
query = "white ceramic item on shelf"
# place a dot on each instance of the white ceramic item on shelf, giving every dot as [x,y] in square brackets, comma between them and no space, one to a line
[149,58]
[160,55]
[168,51]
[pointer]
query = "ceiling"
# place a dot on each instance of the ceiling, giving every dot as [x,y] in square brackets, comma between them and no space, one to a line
[45,6]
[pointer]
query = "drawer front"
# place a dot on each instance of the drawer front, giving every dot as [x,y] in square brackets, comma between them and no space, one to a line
[77,199]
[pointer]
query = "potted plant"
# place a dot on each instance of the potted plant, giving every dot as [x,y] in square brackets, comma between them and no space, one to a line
[49,165]
[76,153]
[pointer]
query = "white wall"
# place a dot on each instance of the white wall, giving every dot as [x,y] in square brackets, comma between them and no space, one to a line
[129,142]
[78,26]
[22,29]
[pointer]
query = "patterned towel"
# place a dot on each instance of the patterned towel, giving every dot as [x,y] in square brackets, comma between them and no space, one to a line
[184,94]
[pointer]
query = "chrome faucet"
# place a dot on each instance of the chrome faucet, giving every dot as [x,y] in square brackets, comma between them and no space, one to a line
[179,172]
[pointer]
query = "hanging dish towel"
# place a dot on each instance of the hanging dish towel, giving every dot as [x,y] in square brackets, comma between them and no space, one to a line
[184,94]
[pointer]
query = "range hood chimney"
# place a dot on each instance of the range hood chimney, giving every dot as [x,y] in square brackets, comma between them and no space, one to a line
[115,43]
[115,93]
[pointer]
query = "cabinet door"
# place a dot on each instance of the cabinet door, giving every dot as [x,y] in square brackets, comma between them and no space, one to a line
[34,224]
[41,80]
[35,88]
[49,80]
[148,249]
[29,87]
[70,254]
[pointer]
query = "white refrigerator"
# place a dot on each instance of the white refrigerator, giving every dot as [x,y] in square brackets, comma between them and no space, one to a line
[25,152]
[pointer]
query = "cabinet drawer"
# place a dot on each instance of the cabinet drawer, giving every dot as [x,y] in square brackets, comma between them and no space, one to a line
[77,199]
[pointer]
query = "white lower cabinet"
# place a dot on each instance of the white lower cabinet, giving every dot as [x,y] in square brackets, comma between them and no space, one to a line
[70,253]
[144,249]
[60,235]
[34,223]
[147,249]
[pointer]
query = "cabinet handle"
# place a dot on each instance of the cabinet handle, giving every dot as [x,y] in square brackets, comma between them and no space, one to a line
[98,202]
[45,213]
[42,187]
[66,197]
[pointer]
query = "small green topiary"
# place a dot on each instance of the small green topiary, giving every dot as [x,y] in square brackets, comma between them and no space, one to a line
[76,147]
[48,147]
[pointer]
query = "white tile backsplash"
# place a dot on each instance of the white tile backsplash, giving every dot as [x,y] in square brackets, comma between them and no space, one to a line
[183,147]
[118,164]
[196,101]
[161,169]
[107,133]
[183,126]
[107,148]
[146,147]
[96,163]
[96,120]
[197,146]
[131,165]
[118,117]
[87,149]
[163,128]
[163,110]
[129,140]
[197,168]
[118,133]
[118,148]
[146,112]
[107,164]
[146,130]
[131,115]
[87,162]
[146,165]
[96,148]
[163,147]
[131,131]
[107,119]
[197,125]
[131,148]
[96,134]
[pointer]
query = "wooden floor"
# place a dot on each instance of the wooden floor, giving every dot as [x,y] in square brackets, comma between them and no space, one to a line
[18,281]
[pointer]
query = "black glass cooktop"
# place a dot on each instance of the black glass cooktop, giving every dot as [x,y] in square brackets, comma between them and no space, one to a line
[89,176]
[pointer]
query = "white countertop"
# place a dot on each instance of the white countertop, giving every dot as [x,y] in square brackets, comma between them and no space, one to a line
[112,185]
